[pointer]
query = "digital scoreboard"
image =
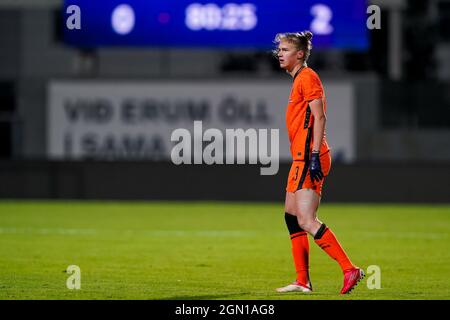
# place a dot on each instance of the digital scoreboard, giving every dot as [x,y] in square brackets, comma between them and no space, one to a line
[215,24]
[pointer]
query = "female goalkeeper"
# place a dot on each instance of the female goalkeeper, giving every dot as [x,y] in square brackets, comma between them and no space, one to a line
[305,120]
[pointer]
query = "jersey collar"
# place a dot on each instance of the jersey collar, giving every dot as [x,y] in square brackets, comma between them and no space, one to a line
[298,72]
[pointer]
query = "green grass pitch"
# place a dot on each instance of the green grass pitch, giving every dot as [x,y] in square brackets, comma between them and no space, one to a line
[214,250]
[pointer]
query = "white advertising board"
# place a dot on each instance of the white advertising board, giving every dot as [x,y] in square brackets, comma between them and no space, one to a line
[135,120]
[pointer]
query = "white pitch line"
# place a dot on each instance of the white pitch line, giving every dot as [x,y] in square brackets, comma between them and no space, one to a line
[48,231]
[200,233]
[404,235]
[128,232]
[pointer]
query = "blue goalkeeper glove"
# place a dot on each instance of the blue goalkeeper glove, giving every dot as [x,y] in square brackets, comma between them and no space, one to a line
[315,171]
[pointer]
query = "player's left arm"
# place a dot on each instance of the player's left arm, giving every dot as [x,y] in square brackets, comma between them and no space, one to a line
[320,120]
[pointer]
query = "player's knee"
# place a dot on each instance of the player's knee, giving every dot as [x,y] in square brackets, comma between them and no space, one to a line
[305,224]
[292,223]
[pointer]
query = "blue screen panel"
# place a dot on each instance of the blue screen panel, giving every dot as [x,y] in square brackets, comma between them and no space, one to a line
[216,24]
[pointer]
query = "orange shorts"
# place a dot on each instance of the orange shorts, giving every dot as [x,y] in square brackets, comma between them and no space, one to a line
[299,175]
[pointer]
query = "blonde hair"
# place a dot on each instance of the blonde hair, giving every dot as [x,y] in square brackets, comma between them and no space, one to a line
[301,40]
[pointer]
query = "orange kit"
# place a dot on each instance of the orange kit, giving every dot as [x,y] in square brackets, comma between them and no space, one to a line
[299,121]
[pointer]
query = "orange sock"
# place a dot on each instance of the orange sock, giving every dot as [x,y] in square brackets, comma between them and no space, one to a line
[300,248]
[300,252]
[326,240]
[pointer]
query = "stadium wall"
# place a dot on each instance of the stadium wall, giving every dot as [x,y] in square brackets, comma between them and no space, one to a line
[371,182]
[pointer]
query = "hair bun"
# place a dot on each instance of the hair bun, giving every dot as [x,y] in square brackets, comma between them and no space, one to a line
[308,34]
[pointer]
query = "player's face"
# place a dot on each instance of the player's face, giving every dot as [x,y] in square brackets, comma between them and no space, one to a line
[288,55]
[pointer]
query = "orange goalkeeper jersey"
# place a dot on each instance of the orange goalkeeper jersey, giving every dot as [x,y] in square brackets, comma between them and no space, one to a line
[299,119]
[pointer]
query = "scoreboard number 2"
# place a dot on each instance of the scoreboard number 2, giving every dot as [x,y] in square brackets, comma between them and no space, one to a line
[321,24]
